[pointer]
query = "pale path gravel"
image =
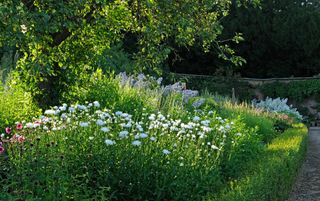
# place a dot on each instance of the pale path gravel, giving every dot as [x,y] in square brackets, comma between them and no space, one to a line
[307,186]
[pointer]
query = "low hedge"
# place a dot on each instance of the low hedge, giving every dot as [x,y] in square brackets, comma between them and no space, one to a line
[273,174]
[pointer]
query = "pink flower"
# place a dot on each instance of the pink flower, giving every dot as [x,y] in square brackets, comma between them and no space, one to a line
[19,126]
[8,130]
[21,139]
[1,149]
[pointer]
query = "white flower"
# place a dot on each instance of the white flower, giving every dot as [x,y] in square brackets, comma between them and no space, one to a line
[105,129]
[159,80]
[123,134]
[139,127]
[91,138]
[72,109]
[62,108]
[124,115]
[153,139]
[238,134]
[35,125]
[24,28]
[214,147]
[205,122]
[29,125]
[64,116]
[96,104]
[2,135]
[152,117]
[99,122]
[81,107]
[206,129]
[50,112]
[137,137]
[118,113]
[166,151]
[109,142]
[196,118]
[45,128]
[84,124]
[128,125]
[143,135]
[136,143]
[228,126]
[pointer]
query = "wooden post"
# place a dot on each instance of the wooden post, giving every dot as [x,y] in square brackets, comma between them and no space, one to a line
[233,98]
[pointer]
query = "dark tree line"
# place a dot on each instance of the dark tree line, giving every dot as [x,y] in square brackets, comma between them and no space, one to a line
[282,39]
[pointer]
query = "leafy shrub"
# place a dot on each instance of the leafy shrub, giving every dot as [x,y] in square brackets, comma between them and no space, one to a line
[119,92]
[253,118]
[99,87]
[217,84]
[282,125]
[295,90]
[16,105]
[272,175]
[277,105]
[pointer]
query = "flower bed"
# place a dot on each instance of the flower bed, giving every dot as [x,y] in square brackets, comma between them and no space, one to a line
[83,152]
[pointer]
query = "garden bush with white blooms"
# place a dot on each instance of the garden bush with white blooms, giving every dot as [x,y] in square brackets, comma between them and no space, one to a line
[278,105]
[79,152]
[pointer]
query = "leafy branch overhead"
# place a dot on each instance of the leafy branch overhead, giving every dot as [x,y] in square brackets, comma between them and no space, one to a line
[63,40]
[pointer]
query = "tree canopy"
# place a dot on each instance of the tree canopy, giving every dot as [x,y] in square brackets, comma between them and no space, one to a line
[61,41]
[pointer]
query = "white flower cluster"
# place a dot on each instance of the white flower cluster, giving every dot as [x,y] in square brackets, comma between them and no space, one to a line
[146,82]
[139,81]
[119,128]
[180,88]
[277,105]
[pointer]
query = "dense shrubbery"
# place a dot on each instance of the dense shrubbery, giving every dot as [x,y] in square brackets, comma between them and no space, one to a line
[271,176]
[218,84]
[152,142]
[16,105]
[295,91]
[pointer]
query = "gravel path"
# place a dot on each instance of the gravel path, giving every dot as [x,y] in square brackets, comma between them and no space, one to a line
[307,186]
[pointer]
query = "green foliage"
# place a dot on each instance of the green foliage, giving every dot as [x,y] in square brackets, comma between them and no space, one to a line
[282,125]
[218,84]
[252,117]
[63,41]
[16,105]
[112,93]
[272,175]
[104,89]
[172,104]
[239,158]
[115,58]
[294,91]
